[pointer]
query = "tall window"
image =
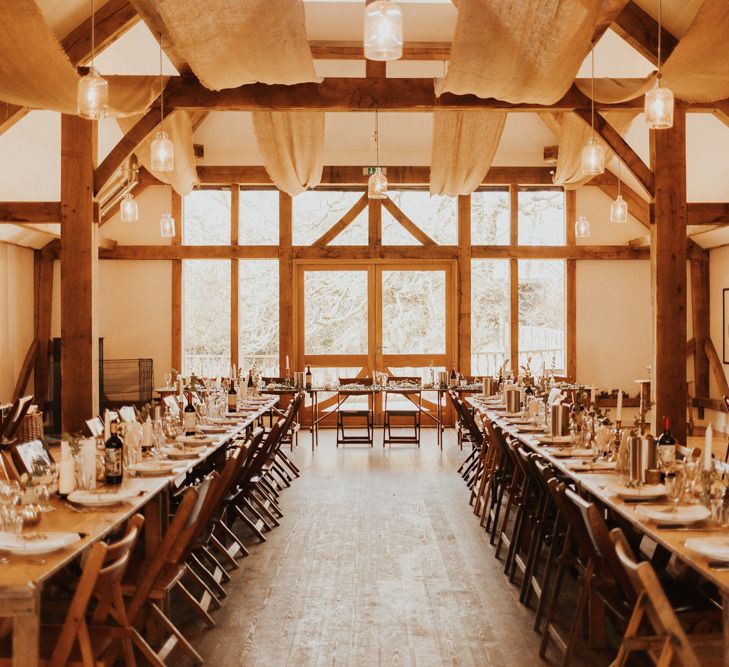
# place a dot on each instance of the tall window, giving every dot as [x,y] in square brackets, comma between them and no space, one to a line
[541,217]
[490,217]
[258,341]
[258,217]
[542,313]
[436,216]
[207,218]
[316,211]
[489,315]
[206,316]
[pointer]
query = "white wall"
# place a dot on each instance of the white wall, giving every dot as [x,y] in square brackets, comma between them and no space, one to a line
[16,309]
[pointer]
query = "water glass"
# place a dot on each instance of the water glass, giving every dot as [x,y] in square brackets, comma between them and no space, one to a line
[10,520]
[674,486]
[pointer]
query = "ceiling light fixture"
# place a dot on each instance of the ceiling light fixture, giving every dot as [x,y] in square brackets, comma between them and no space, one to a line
[593,154]
[93,89]
[383,31]
[619,208]
[377,183]
[659,100]
[582,226]
[163,150]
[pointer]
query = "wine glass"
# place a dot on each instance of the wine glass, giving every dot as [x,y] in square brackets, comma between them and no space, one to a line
[168,379]
[674,486]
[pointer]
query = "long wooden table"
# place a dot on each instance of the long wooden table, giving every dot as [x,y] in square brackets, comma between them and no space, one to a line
[22,580]
[597,485]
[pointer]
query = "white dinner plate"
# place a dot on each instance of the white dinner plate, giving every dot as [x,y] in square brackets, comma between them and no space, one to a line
[152,468]
[36,543]
[212,430]
[570,452]
[194,440]
[589,466]
[711,547]
[181,454]
[555,439]
[102,497]
[633,493]
[671,515]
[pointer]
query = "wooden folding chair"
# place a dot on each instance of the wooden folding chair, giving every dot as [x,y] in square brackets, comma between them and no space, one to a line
[668,644]
[402,403]
[80,640]
[355,414]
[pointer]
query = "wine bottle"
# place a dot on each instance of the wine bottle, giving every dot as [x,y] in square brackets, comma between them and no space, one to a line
[453,378]
[666,445]
[114,457]
[190,416]
[232,396]
[308,377]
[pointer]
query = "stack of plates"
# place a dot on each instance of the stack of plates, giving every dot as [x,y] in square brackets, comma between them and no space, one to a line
[36,544]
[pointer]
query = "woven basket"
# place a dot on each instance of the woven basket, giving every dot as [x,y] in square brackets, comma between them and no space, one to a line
[31,428]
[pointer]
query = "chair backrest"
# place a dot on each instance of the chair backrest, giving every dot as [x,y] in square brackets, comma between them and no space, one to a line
[405,379]
[155,565]
[15,417]
[365,382]
[683,453]
[468,420]
[76,616]
[652,599]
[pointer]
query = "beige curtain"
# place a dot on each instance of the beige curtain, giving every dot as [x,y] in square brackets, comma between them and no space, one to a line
[696,71]
[228,43]
[464,144]
[573,135]
[179,128]
[519,50]
[292,146]
[36,72]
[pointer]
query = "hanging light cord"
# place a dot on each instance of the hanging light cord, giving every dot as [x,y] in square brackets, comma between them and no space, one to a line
[620,169]
[592,93]
[660,17]
[161,88]
[93,42]
[377,138]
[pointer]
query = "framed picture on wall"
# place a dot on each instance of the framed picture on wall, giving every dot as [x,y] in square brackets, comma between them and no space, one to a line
[725,324]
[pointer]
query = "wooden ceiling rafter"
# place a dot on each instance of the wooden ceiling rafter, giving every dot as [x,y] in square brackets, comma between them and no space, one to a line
[638,207]
[640,30]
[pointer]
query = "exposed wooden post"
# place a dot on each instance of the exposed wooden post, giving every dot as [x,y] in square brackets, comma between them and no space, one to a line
[234,274]
[668,268]
[79,274]
[374,225]
[571,287]
[464,284]
[176,325]
[286,285]
[514,279]
[43,313]
[700,319]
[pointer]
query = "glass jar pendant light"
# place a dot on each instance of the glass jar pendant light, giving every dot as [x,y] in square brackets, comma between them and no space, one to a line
[93,89]
[619,207]
[377,183]
[659,100]
[129,208]
[593,154]
[162,150]
[582,226]
[383,31]
[167,226]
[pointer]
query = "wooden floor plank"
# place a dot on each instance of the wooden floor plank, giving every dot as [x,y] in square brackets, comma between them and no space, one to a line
[378,561]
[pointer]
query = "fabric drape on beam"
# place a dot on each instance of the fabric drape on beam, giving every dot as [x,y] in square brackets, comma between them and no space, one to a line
[696,71]
[228,43]
[292,146]
[573,135]
[464,144]
[519,50]
[179,128]
[36,72]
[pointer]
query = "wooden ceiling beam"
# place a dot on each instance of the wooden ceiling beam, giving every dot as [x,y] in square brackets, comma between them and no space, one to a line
[640,30]
[638,207]
[708,213]
[357,94]
[19,212]
[112,21]
[344,50]
[621,148]
[352,176]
